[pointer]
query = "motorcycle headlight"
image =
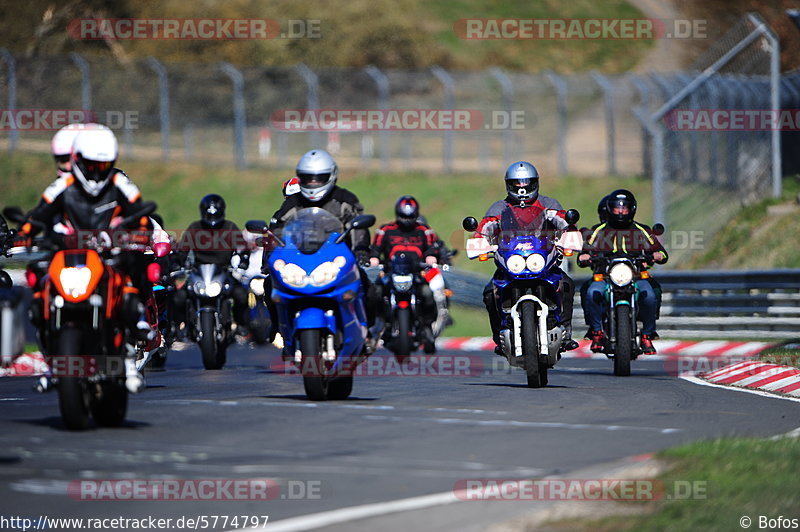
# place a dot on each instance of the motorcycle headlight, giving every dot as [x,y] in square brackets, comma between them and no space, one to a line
[213,289]
[293,275]
[325,273]
[621,274]
[75,280]
[535,262]
[402,283]
[257,286]
[199,287]
[515,263]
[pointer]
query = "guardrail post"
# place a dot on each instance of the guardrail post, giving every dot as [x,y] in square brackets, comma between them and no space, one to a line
[449,103]
[382,83]
[163,104]
[86,81]
[11,69]
[644,102]
[561,98]
[238,111]
[657,132]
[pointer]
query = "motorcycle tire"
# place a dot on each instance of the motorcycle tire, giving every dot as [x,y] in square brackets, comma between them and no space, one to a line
[530,350]
[73,393]
[622,356]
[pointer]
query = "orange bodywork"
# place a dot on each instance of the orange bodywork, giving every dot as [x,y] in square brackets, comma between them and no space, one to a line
[90,259]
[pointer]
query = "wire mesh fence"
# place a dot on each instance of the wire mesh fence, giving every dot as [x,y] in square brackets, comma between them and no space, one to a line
[582,124]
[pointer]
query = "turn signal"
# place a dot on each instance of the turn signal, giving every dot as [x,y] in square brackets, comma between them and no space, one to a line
[402,304]
[645,275]
[483,256]
[597,277]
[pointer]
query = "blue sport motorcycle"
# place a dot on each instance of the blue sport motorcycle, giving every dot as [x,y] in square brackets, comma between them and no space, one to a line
[528,255]
[317,288]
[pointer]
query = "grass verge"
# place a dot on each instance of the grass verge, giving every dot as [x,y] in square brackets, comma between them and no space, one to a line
[781,355]
[730,478]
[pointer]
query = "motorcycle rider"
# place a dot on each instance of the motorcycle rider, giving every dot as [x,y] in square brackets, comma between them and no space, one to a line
[317,174]
[522,196]
[214,240]
[96,196]
[408,234]
[621,235]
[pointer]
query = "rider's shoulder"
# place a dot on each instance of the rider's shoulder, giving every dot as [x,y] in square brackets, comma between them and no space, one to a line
[344,196]
[125,185]
[549,203]
[496,208]
[57,187]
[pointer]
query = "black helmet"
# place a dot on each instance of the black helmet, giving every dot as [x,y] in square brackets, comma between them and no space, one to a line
[406,211]
[212,211]
[602,210]
[624,201]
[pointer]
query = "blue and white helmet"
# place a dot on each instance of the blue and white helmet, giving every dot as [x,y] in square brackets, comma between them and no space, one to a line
[317,171]
[522,182]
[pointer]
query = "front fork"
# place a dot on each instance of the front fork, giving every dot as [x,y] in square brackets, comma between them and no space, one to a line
[614,300]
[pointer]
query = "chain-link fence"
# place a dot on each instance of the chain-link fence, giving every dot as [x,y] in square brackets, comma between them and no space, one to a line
[582,124]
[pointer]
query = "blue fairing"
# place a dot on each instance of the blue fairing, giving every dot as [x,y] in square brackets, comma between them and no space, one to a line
[321,307]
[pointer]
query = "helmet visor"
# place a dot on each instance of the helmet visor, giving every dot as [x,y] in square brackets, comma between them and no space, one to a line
[313,180]
[95,170]
[61,159]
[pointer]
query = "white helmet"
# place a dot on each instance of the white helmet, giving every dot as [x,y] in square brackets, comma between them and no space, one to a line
[93,155]
[317,171]
[61,146]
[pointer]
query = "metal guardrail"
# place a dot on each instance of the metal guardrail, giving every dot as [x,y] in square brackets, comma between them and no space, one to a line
[735,304]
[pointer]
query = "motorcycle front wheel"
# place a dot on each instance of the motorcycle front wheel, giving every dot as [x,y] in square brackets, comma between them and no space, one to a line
[622,355]
[73,392]
[536,371]
[209,347]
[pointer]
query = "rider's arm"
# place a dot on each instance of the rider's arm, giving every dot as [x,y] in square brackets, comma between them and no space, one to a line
[433,246]
[240,246]
[377,249]
[652,244]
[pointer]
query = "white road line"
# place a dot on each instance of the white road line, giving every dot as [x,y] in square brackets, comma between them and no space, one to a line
[537,424]
[702,382]
[344,515]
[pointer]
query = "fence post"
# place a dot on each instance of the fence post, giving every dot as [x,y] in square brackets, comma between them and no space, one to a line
[657,132]
[86,81]
[644,102]
[508,100]
[449,103]
[774,98]
[561,97]
[238,111]
[312,97]
[608,96]
[11,67]
[163,104]
[382,83]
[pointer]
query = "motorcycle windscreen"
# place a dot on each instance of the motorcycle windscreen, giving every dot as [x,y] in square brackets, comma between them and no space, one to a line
[516,222]
[310,228]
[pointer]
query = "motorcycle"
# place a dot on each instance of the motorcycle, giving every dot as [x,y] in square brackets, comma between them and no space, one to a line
[402,284]
[320,300]
[89,306]
[14,302]
[259,322]
[528,259]
[621,275]
[209,312]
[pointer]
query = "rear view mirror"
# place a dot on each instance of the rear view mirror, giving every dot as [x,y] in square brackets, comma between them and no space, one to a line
[256,226]
[362,221]
[572,216]
[14,214]
[469,223]
[658,229]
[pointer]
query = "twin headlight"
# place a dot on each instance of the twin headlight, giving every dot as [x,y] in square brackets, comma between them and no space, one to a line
[75,280]
[295,276]
[212,289]
[517,263]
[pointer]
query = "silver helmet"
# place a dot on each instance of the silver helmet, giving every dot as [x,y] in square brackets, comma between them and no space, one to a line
[522,182]
[317,171]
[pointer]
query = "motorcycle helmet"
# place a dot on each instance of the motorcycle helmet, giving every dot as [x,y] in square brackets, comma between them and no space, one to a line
[94,153]
[621,208]
[522,182]
[317,172]
[406,212]
[212,211]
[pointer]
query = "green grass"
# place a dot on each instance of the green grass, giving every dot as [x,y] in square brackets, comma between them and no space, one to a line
[781,355]
[754,239]
[742,477]
[468,321]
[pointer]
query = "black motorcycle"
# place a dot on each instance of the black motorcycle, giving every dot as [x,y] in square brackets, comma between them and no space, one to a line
[402,286]
[621,275]
[209,311]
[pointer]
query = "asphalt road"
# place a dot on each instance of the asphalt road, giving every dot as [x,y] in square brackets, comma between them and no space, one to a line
[397,437]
